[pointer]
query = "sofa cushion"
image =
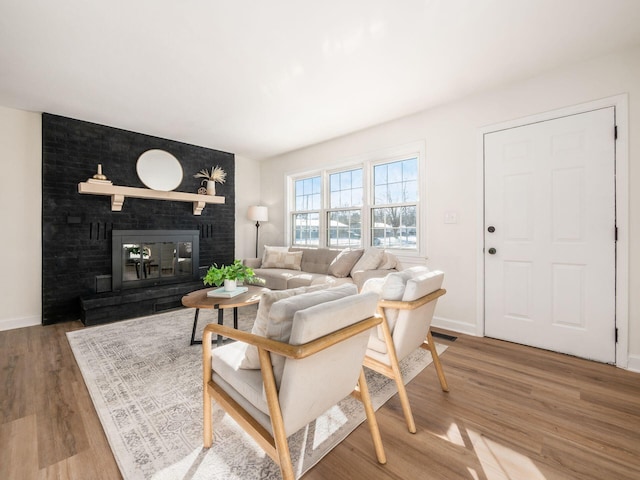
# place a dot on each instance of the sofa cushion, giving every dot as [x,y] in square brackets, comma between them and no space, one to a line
[316,260]
[304,279]
[274,278]
[369,260]
[341,265]
[282,312]
[286,260]
[251,360]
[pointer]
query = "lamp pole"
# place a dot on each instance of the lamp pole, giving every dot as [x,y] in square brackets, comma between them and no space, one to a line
[258,213]
[257,229]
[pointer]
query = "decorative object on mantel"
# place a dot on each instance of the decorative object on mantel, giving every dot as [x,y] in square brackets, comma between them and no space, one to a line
[159,170]
[258,213]
[228,275]
[217,175]
[99,177]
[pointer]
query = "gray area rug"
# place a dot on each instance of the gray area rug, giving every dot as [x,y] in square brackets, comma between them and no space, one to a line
[145,381]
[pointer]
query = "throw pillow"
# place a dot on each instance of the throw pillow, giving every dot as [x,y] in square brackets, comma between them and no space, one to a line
[251,360]
[388,262]
[288,260]
[341,265]
[369,260]
[270,250]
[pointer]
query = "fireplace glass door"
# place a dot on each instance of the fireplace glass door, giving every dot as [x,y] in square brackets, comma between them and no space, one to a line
[149,258]
[156,260]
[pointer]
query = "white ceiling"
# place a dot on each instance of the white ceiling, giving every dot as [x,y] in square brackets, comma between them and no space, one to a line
[260,78]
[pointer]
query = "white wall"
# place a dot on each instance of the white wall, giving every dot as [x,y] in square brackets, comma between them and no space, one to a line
[450,133]
[21,218]
[247,194]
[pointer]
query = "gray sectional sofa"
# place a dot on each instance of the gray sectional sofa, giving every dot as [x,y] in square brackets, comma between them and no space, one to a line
[283,268]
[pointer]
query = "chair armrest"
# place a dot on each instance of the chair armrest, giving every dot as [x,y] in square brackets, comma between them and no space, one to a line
[252,262]
[286,349]
[413,304]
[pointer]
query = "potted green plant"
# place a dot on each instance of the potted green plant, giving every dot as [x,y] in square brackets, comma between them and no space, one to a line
[228,275]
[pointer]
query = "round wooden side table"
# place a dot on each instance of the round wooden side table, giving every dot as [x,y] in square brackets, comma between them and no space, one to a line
[199,299]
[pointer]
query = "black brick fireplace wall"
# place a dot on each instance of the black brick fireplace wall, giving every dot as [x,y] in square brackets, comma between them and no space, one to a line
[76,243]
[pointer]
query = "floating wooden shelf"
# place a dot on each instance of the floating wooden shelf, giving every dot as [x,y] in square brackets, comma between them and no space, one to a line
[118,194]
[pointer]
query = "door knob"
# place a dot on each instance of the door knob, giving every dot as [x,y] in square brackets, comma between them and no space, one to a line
[491,229]
[492,251]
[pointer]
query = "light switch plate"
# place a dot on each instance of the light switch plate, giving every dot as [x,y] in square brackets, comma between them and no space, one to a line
[450,217]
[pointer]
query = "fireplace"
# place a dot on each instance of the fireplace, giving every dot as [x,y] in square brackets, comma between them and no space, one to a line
[146,258]
[79,279]
[151,270]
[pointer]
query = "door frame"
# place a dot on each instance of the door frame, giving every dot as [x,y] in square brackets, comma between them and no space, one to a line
[621,104]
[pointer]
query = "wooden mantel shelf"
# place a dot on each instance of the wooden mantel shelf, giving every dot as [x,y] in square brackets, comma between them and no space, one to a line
[118,194]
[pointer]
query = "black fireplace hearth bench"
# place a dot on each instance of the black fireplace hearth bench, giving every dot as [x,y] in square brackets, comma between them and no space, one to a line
[136,302]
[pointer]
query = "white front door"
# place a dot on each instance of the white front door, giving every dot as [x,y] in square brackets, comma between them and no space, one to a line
[549,235]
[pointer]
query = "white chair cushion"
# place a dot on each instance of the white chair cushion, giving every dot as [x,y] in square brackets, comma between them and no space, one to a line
[376,340]
[421,284]
[374,285]
[311,385]
[412,326]
[225,361]
[251,360]
[282,313]
[407,285]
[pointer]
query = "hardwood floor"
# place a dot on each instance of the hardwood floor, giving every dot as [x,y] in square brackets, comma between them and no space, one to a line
[513,412]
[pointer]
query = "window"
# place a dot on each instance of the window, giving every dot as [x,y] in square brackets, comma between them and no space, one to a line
[393,216]
[374,203]
[345,209]
[306,217]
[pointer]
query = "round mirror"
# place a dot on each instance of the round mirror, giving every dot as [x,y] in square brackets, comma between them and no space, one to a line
[159,170]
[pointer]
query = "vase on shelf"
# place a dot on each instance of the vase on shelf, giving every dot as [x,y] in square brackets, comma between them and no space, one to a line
[230,285]
[211,187]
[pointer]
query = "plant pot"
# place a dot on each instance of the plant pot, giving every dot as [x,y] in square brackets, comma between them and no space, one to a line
[229,285]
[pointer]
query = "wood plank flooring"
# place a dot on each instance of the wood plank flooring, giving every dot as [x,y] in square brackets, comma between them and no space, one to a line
[513,412]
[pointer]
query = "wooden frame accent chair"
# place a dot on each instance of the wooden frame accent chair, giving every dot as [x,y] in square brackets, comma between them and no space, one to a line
[407,302]
[298,379]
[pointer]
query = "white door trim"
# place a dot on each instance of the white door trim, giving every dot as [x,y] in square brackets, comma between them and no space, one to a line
[620,102]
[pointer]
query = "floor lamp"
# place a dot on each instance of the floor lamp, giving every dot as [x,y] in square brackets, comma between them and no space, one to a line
[258,213]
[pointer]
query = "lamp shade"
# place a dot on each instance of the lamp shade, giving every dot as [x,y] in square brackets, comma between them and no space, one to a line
[258,213]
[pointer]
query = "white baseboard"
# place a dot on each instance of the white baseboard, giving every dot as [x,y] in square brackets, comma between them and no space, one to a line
[634,363]
[454,325]
[11,323]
